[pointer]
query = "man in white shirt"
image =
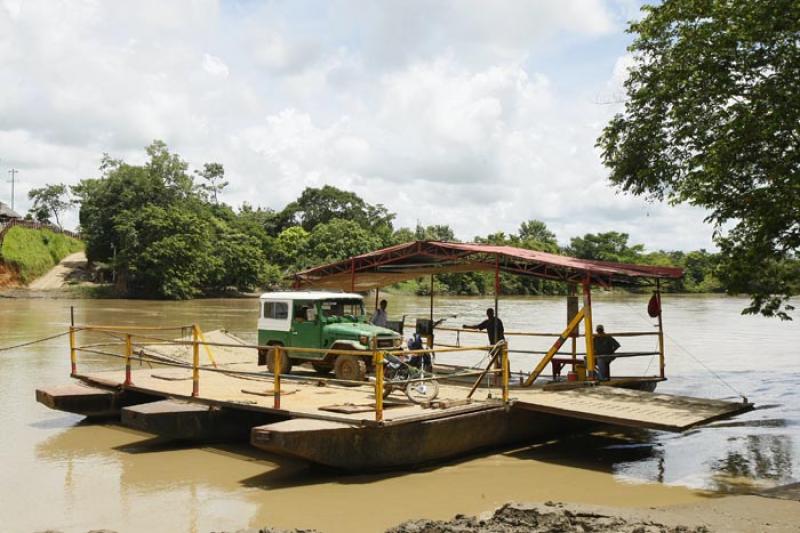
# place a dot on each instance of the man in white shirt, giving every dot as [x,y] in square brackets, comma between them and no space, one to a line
[380,317]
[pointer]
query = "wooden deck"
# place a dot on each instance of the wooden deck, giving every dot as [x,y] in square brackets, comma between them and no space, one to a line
[334,425]
[626,407]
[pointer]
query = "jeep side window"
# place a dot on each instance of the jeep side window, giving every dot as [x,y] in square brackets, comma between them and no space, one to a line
[301,311]
[276,310]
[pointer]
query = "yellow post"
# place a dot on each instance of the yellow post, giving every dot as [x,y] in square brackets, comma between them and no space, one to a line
[378,358]
[555,347]
[208,348]
[505,372]
[73,353]
[128,354]
[195,363]
[276,384]
[587,326]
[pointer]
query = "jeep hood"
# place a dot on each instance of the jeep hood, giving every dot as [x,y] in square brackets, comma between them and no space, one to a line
[356,329]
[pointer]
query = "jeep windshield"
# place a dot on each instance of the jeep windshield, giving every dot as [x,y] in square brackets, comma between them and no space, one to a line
[335,310]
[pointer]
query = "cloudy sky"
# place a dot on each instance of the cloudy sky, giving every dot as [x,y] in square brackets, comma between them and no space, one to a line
[471,113]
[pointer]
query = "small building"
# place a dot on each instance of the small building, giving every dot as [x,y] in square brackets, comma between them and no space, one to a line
[7,214]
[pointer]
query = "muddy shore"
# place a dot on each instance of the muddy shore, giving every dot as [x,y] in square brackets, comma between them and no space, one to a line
[745,514]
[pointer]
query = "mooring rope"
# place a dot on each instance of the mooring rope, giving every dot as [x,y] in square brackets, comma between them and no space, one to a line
[690,354]
[22,345]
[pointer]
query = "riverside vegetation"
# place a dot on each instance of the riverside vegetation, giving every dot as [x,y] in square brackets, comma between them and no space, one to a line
[165,232]
[32,252]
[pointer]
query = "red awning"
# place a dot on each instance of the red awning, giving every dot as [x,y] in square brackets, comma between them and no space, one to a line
[420,258]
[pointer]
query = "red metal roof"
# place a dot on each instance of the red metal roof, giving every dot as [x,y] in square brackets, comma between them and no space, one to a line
[414,259]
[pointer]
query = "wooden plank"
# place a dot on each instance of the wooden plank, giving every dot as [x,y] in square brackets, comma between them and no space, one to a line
[630,408]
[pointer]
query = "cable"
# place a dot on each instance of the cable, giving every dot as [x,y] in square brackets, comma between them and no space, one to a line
[6,348]
[690,354]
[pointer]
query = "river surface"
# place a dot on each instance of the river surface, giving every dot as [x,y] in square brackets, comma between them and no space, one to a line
[61,473]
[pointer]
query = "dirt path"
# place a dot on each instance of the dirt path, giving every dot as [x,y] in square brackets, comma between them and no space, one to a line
[58,275]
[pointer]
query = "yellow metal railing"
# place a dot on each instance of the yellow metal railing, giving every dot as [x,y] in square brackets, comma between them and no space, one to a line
[569,333]
[129,337]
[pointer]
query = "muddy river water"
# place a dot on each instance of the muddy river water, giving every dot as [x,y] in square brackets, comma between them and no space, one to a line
[61,473]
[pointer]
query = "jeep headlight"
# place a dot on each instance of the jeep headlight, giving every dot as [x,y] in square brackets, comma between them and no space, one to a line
[397,342]
[364,339]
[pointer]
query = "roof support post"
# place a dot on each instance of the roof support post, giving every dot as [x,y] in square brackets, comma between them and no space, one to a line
[430,337]
[661,363]
[587,326]
[496,282]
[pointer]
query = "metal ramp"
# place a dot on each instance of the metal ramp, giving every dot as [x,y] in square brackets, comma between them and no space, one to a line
[625,407]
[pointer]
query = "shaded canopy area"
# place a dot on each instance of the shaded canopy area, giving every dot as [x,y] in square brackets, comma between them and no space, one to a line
[421,258]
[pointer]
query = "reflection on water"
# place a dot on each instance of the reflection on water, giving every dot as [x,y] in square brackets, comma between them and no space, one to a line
[757,458]
[76,476]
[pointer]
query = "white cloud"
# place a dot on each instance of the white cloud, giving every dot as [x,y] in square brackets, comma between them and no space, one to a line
[215,66]
[445,112]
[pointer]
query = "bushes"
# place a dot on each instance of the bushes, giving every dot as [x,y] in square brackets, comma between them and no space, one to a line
[33,252]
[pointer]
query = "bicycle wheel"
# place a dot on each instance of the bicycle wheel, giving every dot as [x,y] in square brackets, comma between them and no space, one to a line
[422,391]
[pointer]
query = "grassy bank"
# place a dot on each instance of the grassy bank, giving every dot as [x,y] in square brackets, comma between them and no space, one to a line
[32,252]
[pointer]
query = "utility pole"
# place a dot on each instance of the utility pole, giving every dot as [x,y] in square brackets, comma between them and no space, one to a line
[13,173]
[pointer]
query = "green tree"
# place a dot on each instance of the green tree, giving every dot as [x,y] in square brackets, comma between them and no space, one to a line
[290,248]
[213,174]
[163,235]
[340,239]
[608,246]
[320,206]
[50,200]
[437,232]
[712,118]
[403,235]
[535,235]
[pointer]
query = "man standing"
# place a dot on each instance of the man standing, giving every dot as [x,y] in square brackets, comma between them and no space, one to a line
[493,327]
[604,347]
[380,317]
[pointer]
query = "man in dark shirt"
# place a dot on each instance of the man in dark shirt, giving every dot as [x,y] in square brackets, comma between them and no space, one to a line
[604,345]
[493,327]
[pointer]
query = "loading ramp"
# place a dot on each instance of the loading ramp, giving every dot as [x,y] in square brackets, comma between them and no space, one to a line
[626,407]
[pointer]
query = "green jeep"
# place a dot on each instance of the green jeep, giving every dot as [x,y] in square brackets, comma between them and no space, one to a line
[327,320]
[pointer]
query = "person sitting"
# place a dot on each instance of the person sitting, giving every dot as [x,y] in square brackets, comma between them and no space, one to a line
[604,347]
[302,314]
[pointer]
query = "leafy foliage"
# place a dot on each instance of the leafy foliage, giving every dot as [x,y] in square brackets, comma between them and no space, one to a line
[168,237]
[609,246]
[161,232]
[713,119]
[49,201]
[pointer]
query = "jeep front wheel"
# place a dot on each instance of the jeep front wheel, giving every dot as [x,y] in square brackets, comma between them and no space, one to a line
[286,363]
[350,368]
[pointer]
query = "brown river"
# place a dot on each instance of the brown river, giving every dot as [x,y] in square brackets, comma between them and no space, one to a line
[61,473]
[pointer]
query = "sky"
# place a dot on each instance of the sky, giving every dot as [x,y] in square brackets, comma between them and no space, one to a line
[477,114]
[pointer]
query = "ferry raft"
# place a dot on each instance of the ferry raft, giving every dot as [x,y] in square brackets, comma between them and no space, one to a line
[179,383]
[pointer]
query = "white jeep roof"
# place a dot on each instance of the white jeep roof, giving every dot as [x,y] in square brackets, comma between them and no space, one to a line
[309,295]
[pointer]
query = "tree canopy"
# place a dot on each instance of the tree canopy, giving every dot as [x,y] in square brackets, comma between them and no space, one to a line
[712,117]
[49,201]
[163,231]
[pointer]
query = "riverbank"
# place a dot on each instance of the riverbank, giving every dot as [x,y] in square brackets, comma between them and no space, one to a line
[28,253]
[735,514]
[748,514]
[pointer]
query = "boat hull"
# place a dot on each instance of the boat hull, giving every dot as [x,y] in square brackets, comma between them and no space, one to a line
[355,448]
[414,443]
